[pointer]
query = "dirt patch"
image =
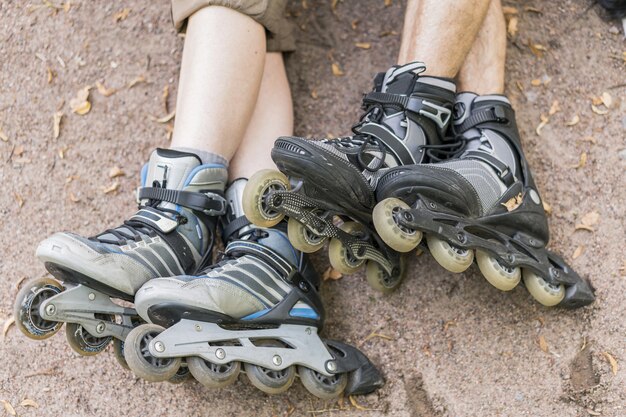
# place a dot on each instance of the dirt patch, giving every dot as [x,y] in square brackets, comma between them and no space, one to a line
[582,374]
[418,403]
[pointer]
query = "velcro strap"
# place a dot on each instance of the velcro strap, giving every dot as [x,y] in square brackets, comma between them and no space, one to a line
[235,225]
[504,172]
[211,204]
[273,259]
[498,114]
[438,114]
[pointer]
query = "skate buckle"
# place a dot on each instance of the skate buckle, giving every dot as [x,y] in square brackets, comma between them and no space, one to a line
[500,114]
[440,115]
[216,211]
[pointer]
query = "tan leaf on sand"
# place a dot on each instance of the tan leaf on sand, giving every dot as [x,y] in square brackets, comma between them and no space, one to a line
[598,110]
[80,104]
[107,92]
[574,121]
[513,203]
[166,118]
[511,27]
[354,24]
[333,5]
[314,94]
[536,82]
[582,161]
[363,45]
[73,198]
[116,172]
[121,15]
[544,121]
[388,3]
[533,10]
[165,96]
[589,139]
[380,335]
[19,150]
[137,80]
[7,324]
[337,71]
[537,49]
[547,208]
[554,108]
[112,188]
[590,218]
[579,251]
[27,402]
[611,360]
[19,199]
[51,74]
[356,404]
[509,10]
[3,136]
[58,117]
[543,345]
[607,100]
[9,408]
[332,274]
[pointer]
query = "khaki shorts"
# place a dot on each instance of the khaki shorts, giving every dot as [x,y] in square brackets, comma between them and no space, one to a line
[269,13]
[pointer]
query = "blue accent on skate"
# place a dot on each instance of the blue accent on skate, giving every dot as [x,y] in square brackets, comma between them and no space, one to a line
[307,313]
[144,174]
[255,315]
[198,168]
[294,261]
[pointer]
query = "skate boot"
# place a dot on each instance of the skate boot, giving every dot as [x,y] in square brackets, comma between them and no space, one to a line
[482,201]
[334,180]
[257,309]
[171,233]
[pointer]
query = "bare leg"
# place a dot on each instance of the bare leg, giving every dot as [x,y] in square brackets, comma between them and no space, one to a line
[483,70]
[219,82]
[440,33]
[272,117]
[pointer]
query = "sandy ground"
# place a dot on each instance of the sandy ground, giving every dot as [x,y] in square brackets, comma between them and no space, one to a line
[456,346]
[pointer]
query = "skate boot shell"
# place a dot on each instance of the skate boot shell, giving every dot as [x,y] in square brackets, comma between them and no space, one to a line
[171,233]
[480,204]
[327,187]
[257,310]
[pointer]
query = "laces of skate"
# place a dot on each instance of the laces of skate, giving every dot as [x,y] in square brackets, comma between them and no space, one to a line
[442,152]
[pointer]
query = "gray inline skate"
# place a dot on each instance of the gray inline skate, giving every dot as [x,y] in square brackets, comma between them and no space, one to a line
[327,187]
[171,233]
[258,311]
[483,201]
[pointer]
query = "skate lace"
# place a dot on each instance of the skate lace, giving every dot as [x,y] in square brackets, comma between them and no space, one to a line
[442,152]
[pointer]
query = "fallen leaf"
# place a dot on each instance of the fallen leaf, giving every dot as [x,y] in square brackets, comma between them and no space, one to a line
[116,172]
[56,128]
[388,33]
[555,108]
[3,136]
[535,82]
[19,150]
[19,199]
[137,80]
[509,10]
[547,208]
[607,100]
[363,45]
[582,161]
[51,74]
[27,402]
[448,324]
[112,188]
[333,5]
[80,104]
[519,85]
[579,251]
[542,344]
[337,72]
[165,96]
[611,361]
[8,407]
[331,273]
[105,91]
[166,118]
[19,282]
[73,198]
[354,404]
[7,324]
[511,28]
[374,334]
[544,121]
[169,128]
[541,320]
[593,412]
[597,110]
[537,49]
[532,9]
[314,95]
[121,15]
[419,252]
[354,24]
[596,101]
[71,178]
[388,3]
[62,152]
[584,227]
[589,139]
[574,121]
[305,6]
[513,203]
[590,218]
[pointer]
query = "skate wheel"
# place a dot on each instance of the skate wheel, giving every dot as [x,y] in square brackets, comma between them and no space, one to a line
[450,257]
[302,238]
[385,218]
[547,294]
[269,380]
[257,188]
[379,280]
[498,275]
[118,353]
[182,375]
[213,375]
[322,386]
[340,257]
[26,308]
[83,342]
[139,359]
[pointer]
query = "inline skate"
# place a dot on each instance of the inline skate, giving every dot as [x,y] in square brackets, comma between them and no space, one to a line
[483,200]
[330,192]
[257,310]
[171,233]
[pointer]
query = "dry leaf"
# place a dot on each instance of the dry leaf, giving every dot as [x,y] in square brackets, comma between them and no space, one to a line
[547,208]
[116,172]
[593,412]
[589,139]
[27,402]
[333,5]
[314,95]
[139,79]
[388,33]
[19,199]
[374,334]
[541,320]
[80,104]
[51,74]
[331,273]
[511,28]
[599,111]
[169,128]
[590,218]
[581,162]
[579,251]
[7,324]
[533,9]
[354,24]
[544,121]
[121,15]
[354,404]
[448,324]
[3,136]
[112,188]
[584,227]
[165,96]
[19,150]
[388,3]
[555,108]
[71,178]
[607,100]
[58,117]
[535,82]
[542,344]
[537,49]
[519,85]
[611,361]
[363,45]
[513,203]
[509,10]
[337,72]
[73,198]
[166,118]
[596,101]
[8,407]
[105,91]
[574,121]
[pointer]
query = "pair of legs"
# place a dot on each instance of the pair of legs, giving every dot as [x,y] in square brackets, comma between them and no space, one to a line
[234,98]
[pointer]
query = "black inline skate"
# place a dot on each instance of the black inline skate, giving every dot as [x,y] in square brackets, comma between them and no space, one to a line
[257,309]
[172,233]
[482,200]
[330,192]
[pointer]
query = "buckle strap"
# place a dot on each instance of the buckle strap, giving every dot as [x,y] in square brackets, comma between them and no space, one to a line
[211,204]
[276,261]
[439,114]
[504,172]
[234,226]
[498,114]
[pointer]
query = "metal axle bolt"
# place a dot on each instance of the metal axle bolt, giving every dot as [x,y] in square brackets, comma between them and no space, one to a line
[51,309]
[331,366]
[159,347]
[100,327]
[277,360]
[92,296]
[198,328]
[220,354]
